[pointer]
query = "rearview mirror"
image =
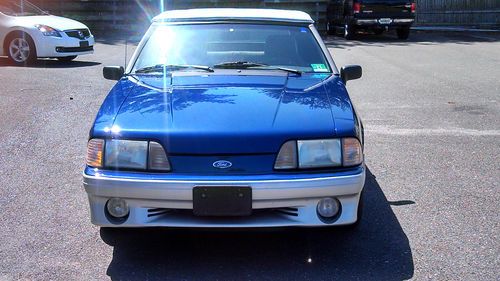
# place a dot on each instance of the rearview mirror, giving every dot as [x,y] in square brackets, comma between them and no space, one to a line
[113,72]
[350,72]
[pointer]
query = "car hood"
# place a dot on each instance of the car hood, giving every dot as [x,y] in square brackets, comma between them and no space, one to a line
[56,22]
[230,114]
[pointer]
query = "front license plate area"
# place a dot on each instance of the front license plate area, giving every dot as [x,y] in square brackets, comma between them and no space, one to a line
[84,44]
[222,200]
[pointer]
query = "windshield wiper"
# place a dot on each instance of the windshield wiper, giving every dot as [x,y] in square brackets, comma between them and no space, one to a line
[247,64]
[171,67]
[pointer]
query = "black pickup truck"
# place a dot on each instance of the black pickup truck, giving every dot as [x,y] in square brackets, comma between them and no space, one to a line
[370,15]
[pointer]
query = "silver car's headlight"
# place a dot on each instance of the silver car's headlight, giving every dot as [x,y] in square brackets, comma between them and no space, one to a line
[323,153]
[126,154]
[47,30]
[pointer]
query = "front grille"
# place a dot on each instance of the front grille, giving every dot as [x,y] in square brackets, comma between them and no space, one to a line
[153,212]
[78,33]
[74,49]
[288,211]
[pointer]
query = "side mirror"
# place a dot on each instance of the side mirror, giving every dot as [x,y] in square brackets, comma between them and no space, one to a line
[113,72]
[350,72]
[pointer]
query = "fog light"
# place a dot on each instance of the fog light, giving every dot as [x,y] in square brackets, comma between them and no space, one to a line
[117,207]
[328,207]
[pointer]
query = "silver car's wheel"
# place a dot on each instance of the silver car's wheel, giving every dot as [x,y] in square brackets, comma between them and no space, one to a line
[19,50]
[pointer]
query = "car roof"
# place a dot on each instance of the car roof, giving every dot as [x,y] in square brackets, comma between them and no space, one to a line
[230,14]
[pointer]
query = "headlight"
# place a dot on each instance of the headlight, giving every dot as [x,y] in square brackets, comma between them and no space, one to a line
[319,153]
[47,30]
[324,153]
[126,154]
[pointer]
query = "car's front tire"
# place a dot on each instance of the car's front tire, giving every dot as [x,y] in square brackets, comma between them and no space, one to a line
[20,48]
[403,33]
[66,59]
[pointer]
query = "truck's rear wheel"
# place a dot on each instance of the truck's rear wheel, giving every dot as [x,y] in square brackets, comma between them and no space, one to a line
[330,28]
[403,33]
[348,30]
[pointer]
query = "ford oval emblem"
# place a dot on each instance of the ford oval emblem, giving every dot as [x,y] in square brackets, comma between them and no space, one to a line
[222,164]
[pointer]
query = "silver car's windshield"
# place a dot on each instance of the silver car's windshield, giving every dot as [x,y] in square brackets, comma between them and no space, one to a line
[20,8]
[290,47]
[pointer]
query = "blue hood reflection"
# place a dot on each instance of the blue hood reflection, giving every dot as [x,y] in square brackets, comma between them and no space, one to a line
[226,114]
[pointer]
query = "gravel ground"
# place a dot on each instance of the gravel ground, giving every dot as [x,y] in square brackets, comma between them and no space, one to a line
[431,111]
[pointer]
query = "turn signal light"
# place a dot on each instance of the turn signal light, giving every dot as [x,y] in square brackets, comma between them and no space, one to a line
[287,157]
[157,157]
[94,153]
[352,152]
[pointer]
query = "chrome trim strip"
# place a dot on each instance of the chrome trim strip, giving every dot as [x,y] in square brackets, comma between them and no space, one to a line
[85,176]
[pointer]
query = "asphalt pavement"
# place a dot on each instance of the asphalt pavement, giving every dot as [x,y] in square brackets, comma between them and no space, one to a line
[431,111]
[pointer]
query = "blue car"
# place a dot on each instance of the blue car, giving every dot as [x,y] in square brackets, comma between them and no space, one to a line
[227,118]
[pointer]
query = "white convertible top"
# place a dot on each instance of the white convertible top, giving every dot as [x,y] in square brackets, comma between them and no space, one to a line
[234,14]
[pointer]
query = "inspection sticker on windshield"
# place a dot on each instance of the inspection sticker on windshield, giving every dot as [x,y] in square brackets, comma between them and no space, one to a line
[319,67]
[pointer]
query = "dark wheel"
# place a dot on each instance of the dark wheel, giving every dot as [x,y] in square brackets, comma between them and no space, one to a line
[403,33]
[330,28]
[348,30]
[20,48]
[67,59]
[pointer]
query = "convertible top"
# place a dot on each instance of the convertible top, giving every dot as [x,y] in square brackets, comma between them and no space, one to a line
[227,14]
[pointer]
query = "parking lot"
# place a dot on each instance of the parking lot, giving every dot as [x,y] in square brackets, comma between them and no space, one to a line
[431,111]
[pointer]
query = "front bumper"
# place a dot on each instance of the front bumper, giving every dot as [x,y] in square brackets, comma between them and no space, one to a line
[278,200]
[64,46]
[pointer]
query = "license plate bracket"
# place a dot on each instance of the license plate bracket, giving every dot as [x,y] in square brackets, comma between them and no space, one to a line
[385,21]
[222,201]
[84,44]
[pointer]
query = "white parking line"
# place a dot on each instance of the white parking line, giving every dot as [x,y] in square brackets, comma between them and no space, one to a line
[384,130]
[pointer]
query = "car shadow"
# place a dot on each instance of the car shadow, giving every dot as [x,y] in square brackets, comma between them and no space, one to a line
[416,38]
[50,63]
[377,249]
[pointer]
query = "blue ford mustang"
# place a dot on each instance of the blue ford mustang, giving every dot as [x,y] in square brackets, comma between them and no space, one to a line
[227,118]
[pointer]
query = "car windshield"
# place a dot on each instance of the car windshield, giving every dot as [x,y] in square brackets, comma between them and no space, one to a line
[238,45]
[20,8]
